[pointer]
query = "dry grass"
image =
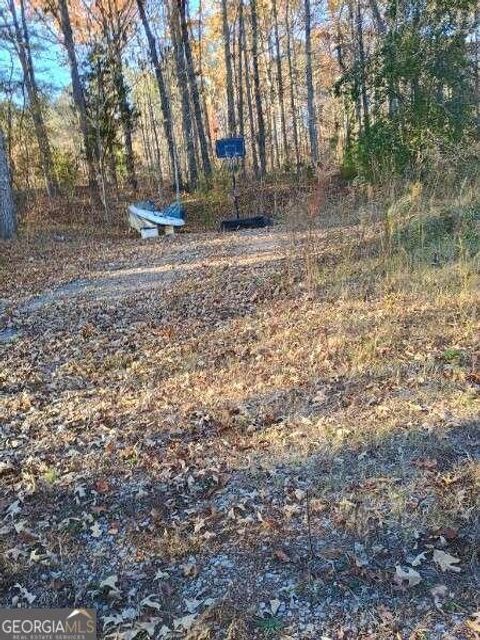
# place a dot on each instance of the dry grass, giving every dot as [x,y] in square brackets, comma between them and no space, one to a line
[273,428]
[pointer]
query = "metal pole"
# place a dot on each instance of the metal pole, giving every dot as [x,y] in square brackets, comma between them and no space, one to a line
[177,183]
[234,189]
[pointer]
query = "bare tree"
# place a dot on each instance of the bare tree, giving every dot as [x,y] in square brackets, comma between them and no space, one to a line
[362,62]
[312,118]
[248,87]
[281,92]
[8,223]
[162,90]
[476,62]
[116,23]
[240,70]
[228,66]
[78,91]
[291,75]
[20,37]
[182,83]
[201,75]
[380,25]
[268,62]
[257,88]
[197,107]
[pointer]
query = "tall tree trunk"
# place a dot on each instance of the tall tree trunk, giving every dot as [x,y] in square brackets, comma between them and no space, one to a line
[228,66]
[147,149]
[203,91]
[381,28]
[112,165]
[22,46]
[241,54]
[380,25]
[153,127]
[197,107]
[8,222]
[96,116]
[78,92]
[257,88]
[312,118]
[291,76]
[9,134]
[268,57]
[233,45]
[182,83]
[281,98]
[251,121]
[362,61]
[347,128]
[476,62]
[162,90]
[356,84]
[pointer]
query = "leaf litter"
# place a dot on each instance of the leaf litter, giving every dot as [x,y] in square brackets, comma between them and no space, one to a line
[220,447]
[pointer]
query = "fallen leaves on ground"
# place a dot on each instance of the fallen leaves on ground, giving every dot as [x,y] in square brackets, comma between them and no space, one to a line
[198,442]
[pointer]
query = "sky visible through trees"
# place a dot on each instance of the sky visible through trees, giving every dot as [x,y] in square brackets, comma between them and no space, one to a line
[119,91]
[50,68]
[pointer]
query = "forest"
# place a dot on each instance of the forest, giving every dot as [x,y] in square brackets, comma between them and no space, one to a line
[375,89]
[217,430]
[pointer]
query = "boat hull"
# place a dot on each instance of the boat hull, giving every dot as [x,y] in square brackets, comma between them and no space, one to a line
[155,218]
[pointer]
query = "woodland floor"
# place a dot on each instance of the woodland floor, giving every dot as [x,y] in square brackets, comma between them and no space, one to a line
[260,435]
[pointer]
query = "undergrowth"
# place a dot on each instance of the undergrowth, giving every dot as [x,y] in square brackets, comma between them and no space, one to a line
[265,434]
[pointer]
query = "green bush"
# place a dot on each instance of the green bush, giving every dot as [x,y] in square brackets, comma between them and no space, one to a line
[381,151]
[413,96]
[67,170]
[441,238]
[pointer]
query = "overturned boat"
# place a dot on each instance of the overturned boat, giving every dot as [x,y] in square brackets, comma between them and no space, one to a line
[146,218]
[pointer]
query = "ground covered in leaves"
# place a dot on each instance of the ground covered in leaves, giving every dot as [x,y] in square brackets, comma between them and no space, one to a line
[270,434]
